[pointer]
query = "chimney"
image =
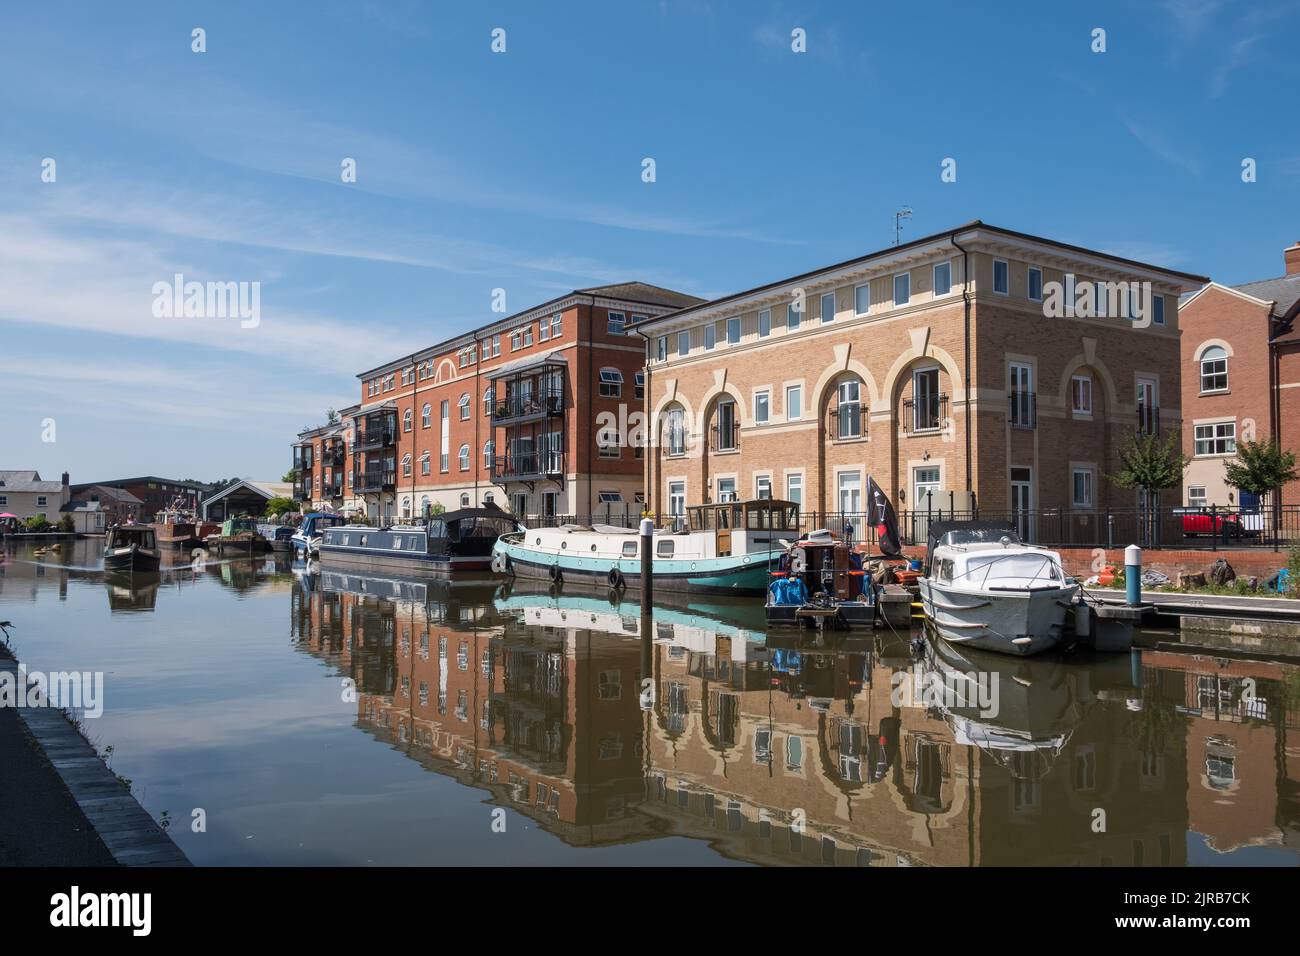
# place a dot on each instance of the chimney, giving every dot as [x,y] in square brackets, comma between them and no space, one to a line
[65,479]
[1292,257]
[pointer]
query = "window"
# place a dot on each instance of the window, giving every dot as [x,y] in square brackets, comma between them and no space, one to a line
[942,278]
[763,486]
[557,325]
[1022,395]
[1218,438]
[488,449]
[733,330]
[1036,283]
[1001,277]
[665,548]
[639,388]
[925,399]
[762,409]
[792,315]
[636,319]
[408,416]
[1196,497]
[794,488]
[610,497]
[765,323]
[444,432]
[902,288]
[1081,394]
[1158,310]
[684,342]
[41,501]
[661,348]
[464,406]
[1214,369]
[848,409]
[463,455]
[425,414]
[862,298]
[828,307]
[725,426]
[793,403]
[489,399]
[677,498]
[1082,484]
[710,335]
[676,431]
[424,463]
[611,383]
[543,330]
[726,489]
[406,465]
[607,446]
[617,320]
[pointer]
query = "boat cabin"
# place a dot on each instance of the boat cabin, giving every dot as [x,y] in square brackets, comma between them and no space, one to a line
[236,526]
[123,536]
[756,525]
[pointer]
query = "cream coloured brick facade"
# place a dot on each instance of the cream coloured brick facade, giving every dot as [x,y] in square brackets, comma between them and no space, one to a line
[917,394]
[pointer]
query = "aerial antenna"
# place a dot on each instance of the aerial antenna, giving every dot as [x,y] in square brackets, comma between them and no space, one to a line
[904,213]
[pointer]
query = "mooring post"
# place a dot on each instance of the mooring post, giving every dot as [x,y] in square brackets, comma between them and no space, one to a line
[1133,574]
[647,565]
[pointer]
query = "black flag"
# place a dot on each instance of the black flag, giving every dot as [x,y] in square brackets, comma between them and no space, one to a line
[884,520]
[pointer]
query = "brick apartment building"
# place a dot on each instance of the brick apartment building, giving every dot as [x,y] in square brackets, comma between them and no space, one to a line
[942,368]
[322,463]
[1241,378]
[504,413]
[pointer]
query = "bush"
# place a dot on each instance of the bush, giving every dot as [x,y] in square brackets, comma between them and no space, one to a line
[37,523]
[67,525]
[1293,572]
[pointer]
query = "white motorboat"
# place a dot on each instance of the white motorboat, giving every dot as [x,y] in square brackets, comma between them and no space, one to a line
[985,588]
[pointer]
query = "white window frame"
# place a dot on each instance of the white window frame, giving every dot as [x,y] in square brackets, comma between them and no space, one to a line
[763,397]
[934,278]
[1091,474]
[611,383]
[710,336]
[764,323]
[733,330]
[616,327]
[1075,410]
[793,479]
[861,287]
[1228,438]
[1195,500]
[822,307]
[684,338]
[464,403]
[798,408]
[463,456]
[907,278]
[1158,309]
[1202,373]
[1006,268]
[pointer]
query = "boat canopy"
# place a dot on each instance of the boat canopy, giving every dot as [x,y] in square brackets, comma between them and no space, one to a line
[968,532]
[233,526]
[761,514]
[472,523]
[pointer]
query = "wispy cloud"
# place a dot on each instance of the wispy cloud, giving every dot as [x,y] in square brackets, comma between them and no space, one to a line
[1158,145]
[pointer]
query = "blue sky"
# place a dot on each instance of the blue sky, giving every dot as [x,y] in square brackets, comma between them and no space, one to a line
[522,171]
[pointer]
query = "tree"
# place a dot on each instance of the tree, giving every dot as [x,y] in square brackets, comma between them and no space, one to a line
[278,506]
[290,476]
[67,525]
[37,523]
[1261,468]
[1149,465]
[331,417]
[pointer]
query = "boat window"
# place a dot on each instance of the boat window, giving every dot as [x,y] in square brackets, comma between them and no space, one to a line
[737,521]
[397,542]
[629,549]
[593,547]
[722,518]
[537,540]
[347,539]
[564,545]
[363,539]
[665,548]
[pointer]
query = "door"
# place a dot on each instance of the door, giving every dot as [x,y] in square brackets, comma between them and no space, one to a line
[677,502]
[520,504]
[1021,502]
[550,503]
[926,500]
[849,498]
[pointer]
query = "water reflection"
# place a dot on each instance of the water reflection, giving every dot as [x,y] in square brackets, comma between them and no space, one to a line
[778,748]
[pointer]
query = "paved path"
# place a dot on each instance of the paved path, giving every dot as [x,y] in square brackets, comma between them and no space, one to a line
[61,806]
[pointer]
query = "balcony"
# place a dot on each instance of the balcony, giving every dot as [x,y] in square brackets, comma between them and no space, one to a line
[334,455]
[370,439]
[724,437]
[847,422]
[1148,419]
[1022,409]
[528,405]
[302,457]
[375,479]
[925,414]
[528,466]
[334,488]
[302,489]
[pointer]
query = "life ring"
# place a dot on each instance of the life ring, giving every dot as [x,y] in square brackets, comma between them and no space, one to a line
[557,577]
[615,579]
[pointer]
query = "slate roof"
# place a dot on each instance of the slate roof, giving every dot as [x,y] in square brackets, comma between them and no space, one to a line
[17,481]
[643,292]
[1284,291]
[87,506]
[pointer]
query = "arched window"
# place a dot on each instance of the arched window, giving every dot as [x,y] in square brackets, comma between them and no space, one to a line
[848,409]
[464,457]
[426,415]
[489,397]
[489,449]
[464,406]
[425,464]
[406,507]
[424,505]
[489,497]
[464,501]
[1214,369]
[407,417]
[675,429]
[406,465]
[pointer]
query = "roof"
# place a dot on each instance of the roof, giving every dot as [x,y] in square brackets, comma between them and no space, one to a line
[947,234]
[527,362]
[633,293]
[145,479]
[120,495]
[17,481]
[88,506]
[267,489]
[1284,291]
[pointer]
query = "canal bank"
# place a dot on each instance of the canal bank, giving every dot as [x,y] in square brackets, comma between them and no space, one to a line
[60,805]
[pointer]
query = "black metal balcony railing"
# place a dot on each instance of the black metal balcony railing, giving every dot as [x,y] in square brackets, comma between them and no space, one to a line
[1022,409]
[302,490]
[925,414]
[724,438]
[302,457]
[546,402]
[528,465]
[335,488]
[1148,419]
[369,439]
[375,479]
[334,455]
[848,421]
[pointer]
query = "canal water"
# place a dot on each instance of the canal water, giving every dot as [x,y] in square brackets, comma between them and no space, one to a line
[338,719]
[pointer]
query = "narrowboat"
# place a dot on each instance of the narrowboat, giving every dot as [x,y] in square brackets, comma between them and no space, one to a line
[306,540]
[278,536]
[724,548]
[984,588]
[132,548]
[456,541]
[821,580]
[238,536]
